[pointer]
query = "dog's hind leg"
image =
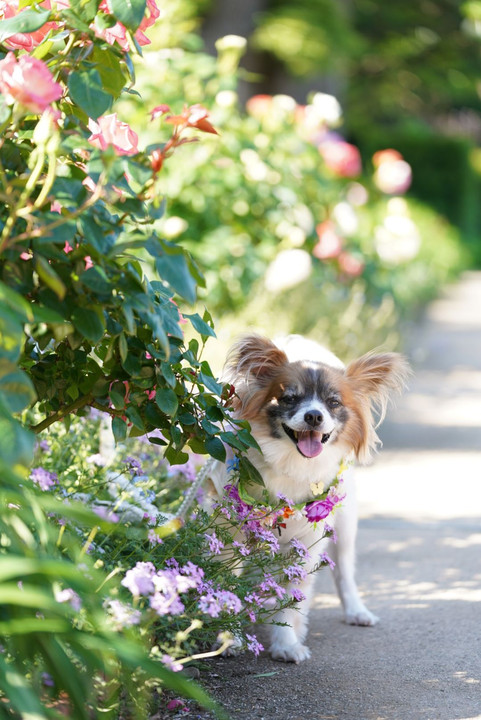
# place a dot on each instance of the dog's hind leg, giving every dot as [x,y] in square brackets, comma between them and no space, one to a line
[344,555]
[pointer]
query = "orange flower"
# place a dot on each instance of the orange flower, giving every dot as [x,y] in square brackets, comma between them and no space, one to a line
[194,116]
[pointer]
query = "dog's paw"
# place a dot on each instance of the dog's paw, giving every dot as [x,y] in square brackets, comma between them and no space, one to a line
[295,653]
[361,616]
[233,644]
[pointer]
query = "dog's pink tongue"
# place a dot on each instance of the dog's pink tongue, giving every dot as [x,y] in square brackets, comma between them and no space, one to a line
[309,443]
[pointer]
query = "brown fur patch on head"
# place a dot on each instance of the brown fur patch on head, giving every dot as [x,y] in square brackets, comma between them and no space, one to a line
[252,366]
[366,388]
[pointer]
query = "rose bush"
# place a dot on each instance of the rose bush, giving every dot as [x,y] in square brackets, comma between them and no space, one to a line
[254,208]
[85,324]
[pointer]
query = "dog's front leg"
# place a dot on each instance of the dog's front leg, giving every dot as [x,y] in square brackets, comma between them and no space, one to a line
[287,641]
[344,555]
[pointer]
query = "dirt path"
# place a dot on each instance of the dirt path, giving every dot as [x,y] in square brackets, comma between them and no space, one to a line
[419,562]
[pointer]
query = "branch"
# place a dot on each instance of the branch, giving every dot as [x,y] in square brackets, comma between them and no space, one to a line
[63,412]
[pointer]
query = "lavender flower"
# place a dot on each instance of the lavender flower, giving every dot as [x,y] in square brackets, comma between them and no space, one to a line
[269,584]
[122,615]
[241,548]
[133,465]
[139,579]
[69,596]
[153,538]
[326,560]
[287,501]
[253,644]
[43,478]
[295,573]
[166,604]
[298,595]
[214,602]
[215,545]
[300,549]
[172,664]
[105,513]
[47,680]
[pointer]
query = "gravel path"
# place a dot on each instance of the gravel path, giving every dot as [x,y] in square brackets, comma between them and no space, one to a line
[419,564]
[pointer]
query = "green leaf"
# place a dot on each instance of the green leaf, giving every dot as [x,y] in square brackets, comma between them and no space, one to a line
[248,439]
[211,384]
[119,428]
[46,315]
[215,447]
[88,323]
[249,472]
[168,374]
[86,90]
[85,9]
[50,277]
[200,325]
[133,414]
[25,22]
[16,389]
[109,68]
[176,457]
[167,401]
[129,12]
[16,443]
[19,693]
[174,269]
[96,279]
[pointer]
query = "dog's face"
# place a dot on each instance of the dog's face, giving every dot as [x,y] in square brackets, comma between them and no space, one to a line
[304,405]
[308,405]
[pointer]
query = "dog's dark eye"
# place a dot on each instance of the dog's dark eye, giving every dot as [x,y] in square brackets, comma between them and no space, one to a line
[288,399]
[333,402]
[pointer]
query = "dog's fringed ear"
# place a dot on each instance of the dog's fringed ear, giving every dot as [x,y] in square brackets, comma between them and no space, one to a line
[372,379]
[252,364]
[254,358]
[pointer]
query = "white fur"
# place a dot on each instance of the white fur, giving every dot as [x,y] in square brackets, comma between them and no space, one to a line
[285,470]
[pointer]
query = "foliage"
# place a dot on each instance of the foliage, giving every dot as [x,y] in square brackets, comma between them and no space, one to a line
[183,589]
[83,325]
[266,194]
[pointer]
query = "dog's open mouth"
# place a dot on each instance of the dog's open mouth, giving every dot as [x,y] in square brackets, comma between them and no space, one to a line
[309,443]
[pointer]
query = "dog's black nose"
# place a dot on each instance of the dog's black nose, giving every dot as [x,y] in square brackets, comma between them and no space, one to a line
[313,418]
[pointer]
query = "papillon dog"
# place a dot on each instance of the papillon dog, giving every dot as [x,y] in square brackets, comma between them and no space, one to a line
[309,413]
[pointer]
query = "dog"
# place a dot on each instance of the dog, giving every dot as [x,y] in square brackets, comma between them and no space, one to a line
[309,413]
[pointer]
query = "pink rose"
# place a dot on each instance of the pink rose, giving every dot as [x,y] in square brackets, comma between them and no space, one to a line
[118,33]
[350,265]
[24,41]
[109,130]
[330,244]
[29,82]
[318,510]
[342,158]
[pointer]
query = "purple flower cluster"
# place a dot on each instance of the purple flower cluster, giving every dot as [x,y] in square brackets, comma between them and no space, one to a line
[253,644]
[215,601]
[69,596]
[295,573]
[43,478]
[122,614]
[166,589]
[134,466]
[215,545]
[326,560]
